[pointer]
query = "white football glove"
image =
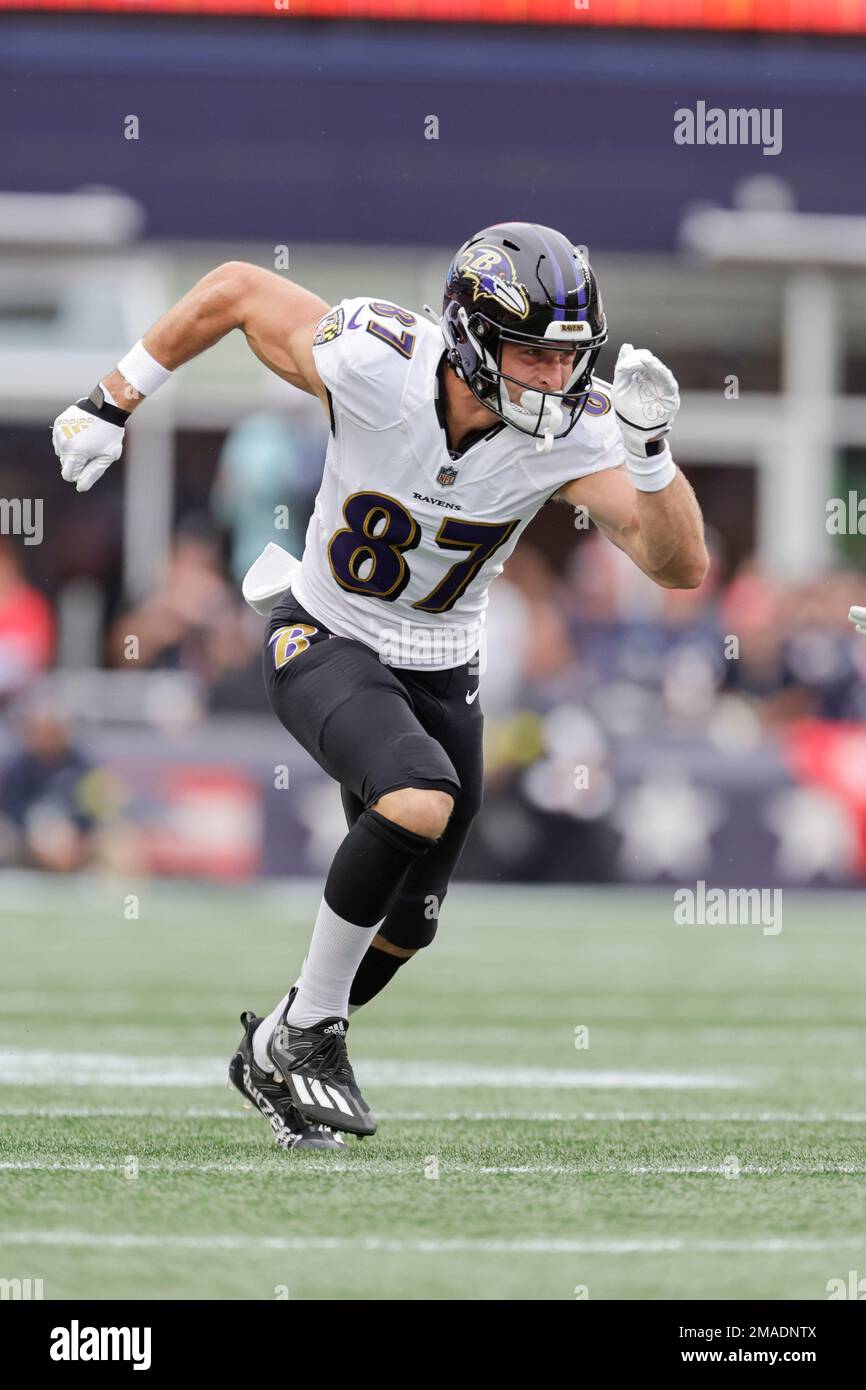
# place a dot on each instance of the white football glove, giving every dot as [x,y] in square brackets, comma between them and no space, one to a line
[857,616]
[86,443]
[645,397]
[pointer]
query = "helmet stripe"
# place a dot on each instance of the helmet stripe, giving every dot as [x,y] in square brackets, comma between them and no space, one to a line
[558,282]
[583,292]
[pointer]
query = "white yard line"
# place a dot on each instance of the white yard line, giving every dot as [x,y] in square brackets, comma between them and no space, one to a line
[44,1067]
[518,1117]
[539,1246]
[273,1163]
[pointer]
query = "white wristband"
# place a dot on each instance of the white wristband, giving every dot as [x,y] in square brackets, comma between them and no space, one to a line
[142,371]
[651,474]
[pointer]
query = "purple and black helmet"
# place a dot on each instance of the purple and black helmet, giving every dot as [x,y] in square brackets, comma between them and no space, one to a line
[518,282]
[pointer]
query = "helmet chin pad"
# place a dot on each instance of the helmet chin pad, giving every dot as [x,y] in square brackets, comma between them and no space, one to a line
[537,412]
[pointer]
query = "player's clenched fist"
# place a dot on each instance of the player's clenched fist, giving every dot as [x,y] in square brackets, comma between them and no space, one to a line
[645,397]
[86,442]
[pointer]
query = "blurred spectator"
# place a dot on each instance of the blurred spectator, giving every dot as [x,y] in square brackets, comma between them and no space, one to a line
[26,625]
[194,621]
[45,821]
[549,651]
[603,585]
[795,655]
[752,613]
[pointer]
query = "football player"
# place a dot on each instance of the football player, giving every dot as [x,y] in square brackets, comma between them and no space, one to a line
[446,438]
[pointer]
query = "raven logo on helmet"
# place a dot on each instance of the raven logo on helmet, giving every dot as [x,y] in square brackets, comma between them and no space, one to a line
[493,275]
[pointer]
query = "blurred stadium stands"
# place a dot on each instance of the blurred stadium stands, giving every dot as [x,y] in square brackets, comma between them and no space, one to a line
[629,737]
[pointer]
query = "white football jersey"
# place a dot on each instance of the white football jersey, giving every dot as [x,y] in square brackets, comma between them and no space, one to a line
[405,538]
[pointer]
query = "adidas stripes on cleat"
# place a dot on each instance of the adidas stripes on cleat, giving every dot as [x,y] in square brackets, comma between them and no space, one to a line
[315,1066]
[265,1091]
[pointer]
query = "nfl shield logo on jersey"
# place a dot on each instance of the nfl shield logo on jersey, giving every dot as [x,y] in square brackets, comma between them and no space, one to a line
[446,475]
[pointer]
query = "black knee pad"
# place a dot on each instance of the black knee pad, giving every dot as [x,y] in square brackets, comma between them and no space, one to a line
[469,802]
[412,920]
[369,866]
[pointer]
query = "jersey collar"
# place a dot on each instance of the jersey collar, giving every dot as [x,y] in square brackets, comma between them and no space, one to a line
[476,436]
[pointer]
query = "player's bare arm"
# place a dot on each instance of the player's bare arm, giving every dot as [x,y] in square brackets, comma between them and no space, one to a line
[662,532]
[276,316]
[646,506]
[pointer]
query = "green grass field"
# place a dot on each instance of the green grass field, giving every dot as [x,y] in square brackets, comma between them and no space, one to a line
[709,1142]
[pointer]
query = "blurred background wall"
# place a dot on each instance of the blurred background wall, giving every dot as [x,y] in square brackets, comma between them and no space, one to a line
[633,733]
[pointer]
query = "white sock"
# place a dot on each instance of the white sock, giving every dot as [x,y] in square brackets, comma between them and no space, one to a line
[264,1033]
[340,946]
[336,950]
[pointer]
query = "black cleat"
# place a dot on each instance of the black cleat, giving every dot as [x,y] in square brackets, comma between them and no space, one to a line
[270,1096]
[315,1066]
